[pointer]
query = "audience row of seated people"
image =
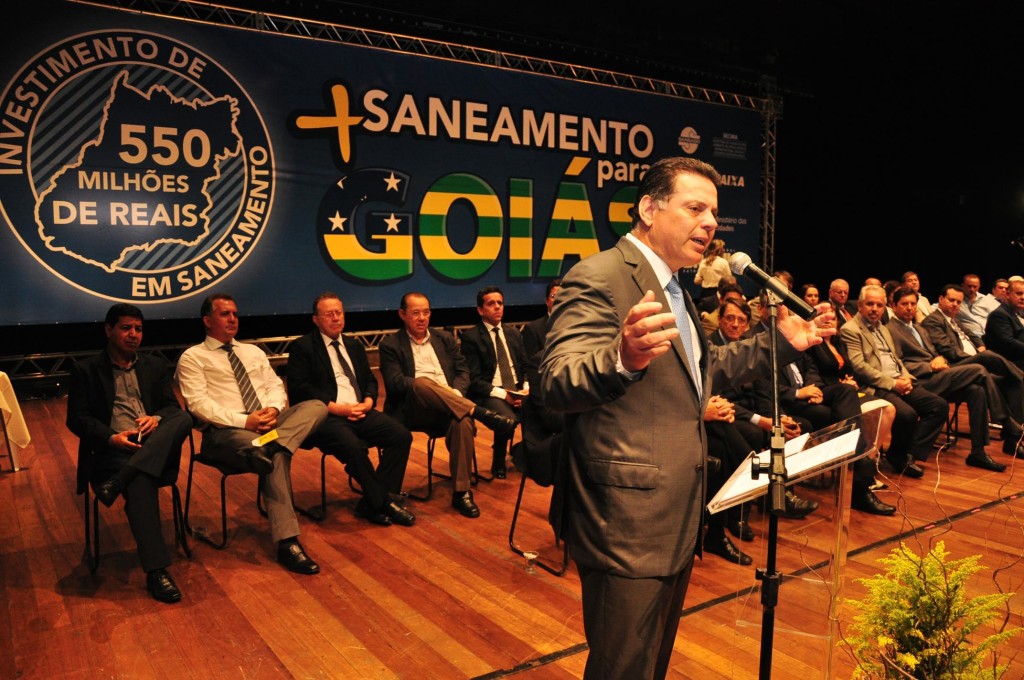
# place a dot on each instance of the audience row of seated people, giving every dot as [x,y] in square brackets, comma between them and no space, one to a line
[889,355]
[123,407]
[886,358]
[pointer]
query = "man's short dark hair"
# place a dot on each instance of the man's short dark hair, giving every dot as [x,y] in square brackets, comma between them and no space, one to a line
[956,287]
[902,292]
[326,295]
[907,275]
[738,304]
[485,291]
[660,179]
[207,307]
[403,305]
[122,309]
[726,288]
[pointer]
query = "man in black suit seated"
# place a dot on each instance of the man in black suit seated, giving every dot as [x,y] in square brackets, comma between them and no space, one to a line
[497,366]
[533,332]
[811,404]
[1004,328]
[959,346]
[426,378]
[332,368]
[970,383]
[122,407]
[839,298]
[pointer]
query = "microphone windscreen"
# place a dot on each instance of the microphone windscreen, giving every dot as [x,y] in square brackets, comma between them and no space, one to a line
[738,263]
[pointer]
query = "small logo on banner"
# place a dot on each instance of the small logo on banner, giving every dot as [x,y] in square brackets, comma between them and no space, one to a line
[132,166]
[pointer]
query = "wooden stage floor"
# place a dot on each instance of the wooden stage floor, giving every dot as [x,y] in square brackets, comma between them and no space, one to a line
[446,598]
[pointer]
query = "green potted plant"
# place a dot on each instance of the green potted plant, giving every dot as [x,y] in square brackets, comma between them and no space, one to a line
[916,620]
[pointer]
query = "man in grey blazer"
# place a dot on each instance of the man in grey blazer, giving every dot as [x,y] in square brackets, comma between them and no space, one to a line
[631,488]
[877,367]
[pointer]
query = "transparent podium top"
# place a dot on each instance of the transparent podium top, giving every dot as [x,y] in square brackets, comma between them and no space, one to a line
[807,455]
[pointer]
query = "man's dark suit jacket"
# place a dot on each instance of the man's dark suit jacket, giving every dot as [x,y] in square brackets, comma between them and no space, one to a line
[398,367]
[634,476]
[482,360]
[916,358]
[311,376]
[533,337]
[91,405]
[1004,333]
[945,340]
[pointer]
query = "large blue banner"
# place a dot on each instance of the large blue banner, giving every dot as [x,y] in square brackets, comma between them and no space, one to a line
[154,160]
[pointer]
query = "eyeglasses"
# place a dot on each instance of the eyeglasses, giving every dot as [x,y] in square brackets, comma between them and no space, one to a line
[331,315]
[732,318]
[419,314]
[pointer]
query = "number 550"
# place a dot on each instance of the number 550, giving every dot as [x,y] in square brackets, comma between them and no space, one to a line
[194,147]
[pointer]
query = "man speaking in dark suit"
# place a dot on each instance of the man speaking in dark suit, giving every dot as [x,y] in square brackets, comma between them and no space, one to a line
[332,368]
[116,400]
[633,374]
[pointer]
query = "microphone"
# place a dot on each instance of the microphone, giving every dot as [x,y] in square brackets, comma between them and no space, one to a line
[741,265]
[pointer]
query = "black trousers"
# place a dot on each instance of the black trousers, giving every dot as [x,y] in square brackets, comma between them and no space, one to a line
[920,416]
[631,623]
[348,441]
[157,463]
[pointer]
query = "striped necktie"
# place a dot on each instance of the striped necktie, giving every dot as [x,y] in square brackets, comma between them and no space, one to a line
[249,398]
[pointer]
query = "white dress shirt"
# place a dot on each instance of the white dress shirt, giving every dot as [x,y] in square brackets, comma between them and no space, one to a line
[209,387]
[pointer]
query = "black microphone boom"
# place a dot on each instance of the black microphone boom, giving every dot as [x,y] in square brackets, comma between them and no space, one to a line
[741,265]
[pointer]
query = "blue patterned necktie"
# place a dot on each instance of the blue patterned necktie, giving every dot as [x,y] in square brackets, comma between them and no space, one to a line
[676,299]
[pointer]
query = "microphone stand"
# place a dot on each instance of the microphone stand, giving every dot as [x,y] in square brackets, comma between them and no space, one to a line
[770,577]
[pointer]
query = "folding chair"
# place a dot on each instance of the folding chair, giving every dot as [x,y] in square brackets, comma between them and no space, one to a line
[226,471]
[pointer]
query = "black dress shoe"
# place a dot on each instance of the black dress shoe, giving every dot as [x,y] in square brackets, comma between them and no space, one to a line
[502,425]
[364,511]
[866,501]
[981,459]
[108,491]
[400,499]
[499,473]
[906,467]
[1012,448]
[291,555]
[259,461]
[399,515]
[740,530]
[796,507]
[463,502]
[161,586]
[724,548]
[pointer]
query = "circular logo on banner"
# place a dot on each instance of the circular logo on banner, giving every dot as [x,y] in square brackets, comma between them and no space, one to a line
[133,166]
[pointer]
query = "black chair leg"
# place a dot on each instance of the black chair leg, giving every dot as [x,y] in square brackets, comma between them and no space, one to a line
[92,532]
[431,442]
[555,570]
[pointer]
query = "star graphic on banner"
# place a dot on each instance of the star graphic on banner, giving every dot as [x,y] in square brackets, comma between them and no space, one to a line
[393,223]
[392,182]
[337,222]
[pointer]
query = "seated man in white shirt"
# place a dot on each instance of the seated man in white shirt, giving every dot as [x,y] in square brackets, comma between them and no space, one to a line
[976,307]
[231,387]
